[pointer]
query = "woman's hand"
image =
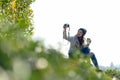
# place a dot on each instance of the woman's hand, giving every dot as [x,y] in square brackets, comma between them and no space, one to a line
[88,41]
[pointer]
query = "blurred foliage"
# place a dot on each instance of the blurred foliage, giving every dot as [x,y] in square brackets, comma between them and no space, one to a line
[16,16]
[22,58]
[113,72]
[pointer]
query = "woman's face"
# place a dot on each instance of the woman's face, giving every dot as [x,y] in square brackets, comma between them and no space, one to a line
[79,33]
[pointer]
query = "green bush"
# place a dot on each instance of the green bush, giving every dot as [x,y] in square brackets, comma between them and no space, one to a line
[113,72]
[34,62]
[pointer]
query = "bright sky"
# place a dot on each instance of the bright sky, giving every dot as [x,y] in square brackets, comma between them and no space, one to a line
[101,18]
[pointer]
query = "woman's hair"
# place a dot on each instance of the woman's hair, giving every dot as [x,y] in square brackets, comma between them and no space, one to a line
[81,39]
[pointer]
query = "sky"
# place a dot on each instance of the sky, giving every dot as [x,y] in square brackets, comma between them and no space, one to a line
[101,18]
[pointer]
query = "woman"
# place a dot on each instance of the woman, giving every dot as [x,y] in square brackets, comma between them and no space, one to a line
[78,41]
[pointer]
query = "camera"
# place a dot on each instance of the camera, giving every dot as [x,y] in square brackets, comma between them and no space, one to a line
[66,26]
